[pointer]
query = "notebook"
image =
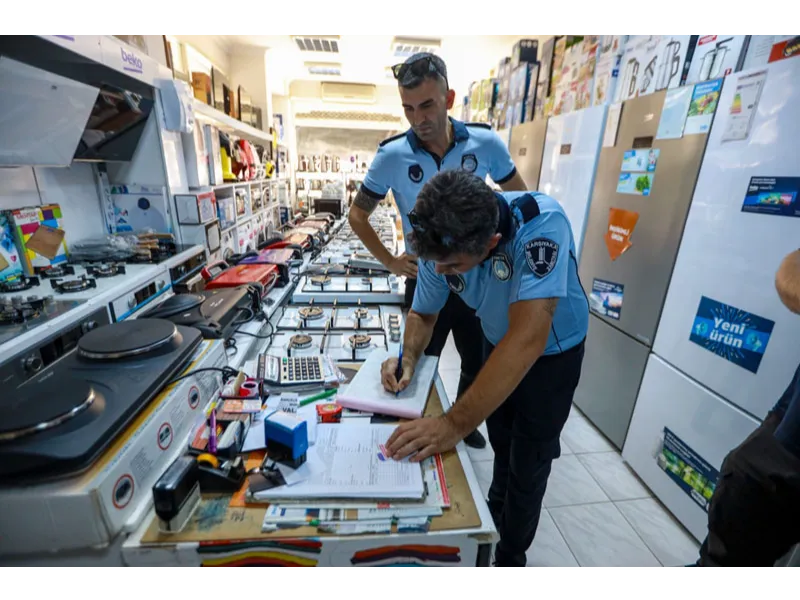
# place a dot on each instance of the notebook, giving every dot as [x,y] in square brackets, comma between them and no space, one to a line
[366,392]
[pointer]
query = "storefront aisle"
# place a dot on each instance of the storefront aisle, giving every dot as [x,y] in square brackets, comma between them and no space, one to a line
[596,511]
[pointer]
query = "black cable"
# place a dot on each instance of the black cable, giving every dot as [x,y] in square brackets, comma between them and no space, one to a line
[269,336]
[227,373]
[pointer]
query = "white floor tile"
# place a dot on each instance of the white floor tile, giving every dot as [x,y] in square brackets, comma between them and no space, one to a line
[565,449]
[583,437]
[450,379]
[614,476]
[575,413]
[671,544]
[549,548]
[599,536]
[483,454]
[570,483]
[483,471]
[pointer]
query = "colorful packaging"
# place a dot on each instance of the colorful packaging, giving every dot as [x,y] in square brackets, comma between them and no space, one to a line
[39,236]
[10,264]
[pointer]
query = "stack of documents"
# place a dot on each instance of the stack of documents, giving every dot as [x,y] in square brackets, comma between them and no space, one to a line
[346,463]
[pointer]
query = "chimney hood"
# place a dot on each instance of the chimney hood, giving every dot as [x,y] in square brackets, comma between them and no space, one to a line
[57,106]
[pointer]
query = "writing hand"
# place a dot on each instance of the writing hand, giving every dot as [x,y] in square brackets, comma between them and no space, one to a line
[389,375]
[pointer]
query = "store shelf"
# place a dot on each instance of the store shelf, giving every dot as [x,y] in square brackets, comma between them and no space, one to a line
[310,175]
[233,184]
[205,112]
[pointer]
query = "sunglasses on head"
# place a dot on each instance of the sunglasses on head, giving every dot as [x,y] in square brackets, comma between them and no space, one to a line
[419,68]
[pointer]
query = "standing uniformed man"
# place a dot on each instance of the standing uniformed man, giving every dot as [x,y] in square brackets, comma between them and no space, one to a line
[512,258]
[404,163]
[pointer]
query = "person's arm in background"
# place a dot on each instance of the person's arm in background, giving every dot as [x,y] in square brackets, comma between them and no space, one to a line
[502,169]
[372,191]
[787,281]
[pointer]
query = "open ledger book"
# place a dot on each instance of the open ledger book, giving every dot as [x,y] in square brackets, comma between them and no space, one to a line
[366,392]
[345,462]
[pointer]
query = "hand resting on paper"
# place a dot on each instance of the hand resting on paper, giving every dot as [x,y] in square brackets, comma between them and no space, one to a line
[389,374]
[426,437]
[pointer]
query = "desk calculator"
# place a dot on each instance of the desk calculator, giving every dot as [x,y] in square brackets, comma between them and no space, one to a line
[291,370]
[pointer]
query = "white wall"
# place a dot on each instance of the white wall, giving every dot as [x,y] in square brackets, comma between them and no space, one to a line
[248,69]
[213,49]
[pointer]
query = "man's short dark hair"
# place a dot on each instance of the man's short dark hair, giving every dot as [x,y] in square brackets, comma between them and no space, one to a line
[412,78]
[456,212]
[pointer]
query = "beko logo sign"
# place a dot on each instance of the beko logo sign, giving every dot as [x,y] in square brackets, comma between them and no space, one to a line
[131,62]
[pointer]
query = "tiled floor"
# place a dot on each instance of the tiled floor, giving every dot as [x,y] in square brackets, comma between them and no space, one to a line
[596,511]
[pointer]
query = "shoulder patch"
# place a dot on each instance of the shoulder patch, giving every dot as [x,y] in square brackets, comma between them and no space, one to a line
[482,125]
[391,139]
[456,283]
[541,254]
[528,206]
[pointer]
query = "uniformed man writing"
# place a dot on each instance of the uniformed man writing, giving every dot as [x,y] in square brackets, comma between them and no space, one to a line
[404,163]
[511,257]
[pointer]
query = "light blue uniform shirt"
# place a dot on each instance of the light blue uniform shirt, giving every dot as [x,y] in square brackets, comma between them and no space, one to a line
[535,259]
[403,165]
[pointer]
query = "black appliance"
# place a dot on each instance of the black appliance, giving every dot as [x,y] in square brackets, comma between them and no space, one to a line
[60,422]
[22,315]
[215,313]
[121,108]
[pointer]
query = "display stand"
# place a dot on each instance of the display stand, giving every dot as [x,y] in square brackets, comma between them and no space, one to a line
[220,535]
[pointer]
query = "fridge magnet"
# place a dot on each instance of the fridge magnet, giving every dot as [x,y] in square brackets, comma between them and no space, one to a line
[743,106]
[702,107]
[606,298]
[773,196]
[694,475]
[620,228]
[737,336]
[673,113]
[635,183]
[644,159]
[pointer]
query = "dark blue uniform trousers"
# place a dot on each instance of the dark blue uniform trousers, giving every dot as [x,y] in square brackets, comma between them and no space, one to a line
[524,433]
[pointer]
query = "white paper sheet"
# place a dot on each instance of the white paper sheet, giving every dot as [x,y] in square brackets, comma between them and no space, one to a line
[344,463]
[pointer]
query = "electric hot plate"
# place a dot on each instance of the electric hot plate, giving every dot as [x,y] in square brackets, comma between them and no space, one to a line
[60,422]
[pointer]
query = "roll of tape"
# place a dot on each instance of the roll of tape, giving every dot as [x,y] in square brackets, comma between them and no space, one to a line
[208,459]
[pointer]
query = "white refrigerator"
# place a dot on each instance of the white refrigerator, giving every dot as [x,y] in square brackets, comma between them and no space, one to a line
[725,348]
[571,148]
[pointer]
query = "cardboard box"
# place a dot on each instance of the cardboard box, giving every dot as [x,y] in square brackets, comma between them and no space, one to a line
[201,86]
[10,263]
[92,509]
[39,236]
[196,209]
[525,51]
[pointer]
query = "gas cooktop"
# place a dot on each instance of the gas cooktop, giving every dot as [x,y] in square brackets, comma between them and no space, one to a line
[61,421]
[19,314]
[340,317]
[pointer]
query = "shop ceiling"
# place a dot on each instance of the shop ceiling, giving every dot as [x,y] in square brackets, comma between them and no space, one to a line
[367,58]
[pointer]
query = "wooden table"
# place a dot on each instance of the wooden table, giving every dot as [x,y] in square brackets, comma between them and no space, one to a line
[220,535]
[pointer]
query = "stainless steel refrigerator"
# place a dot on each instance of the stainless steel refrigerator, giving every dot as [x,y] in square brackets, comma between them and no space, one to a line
[640,200]
[527,148]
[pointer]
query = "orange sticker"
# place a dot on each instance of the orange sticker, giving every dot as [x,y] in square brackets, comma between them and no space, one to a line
[620,228]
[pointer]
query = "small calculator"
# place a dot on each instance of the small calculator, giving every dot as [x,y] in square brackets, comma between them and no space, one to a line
[291,370]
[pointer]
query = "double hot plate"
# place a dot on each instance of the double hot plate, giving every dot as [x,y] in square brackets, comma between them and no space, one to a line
[62,420]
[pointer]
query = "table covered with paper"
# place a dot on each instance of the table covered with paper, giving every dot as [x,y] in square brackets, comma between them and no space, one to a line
[347,491]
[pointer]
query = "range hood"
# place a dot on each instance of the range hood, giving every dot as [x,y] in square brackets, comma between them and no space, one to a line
[57,106]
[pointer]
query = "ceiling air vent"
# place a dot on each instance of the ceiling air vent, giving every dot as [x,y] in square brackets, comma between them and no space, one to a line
[317,68]
[405,47]
[325,43]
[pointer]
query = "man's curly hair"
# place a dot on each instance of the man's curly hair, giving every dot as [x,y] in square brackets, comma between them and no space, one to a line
[456,212]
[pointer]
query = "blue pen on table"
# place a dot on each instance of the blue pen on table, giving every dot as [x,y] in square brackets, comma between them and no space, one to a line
[399,373]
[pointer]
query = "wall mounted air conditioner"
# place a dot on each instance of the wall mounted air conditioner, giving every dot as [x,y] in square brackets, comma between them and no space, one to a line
[351,93]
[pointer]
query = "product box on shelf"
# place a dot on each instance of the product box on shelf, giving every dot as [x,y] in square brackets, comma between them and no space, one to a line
[716,56]
[196,209]
[139,208]
[545,77]
[524,51]
[606,73]
[92,508]
[531,97]
[10,264]
[226,211]
[213,155]
[39,236]
[196,157]
[208,236]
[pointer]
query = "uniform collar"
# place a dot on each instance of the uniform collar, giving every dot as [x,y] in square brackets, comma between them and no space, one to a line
[460,134]
[505,225]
